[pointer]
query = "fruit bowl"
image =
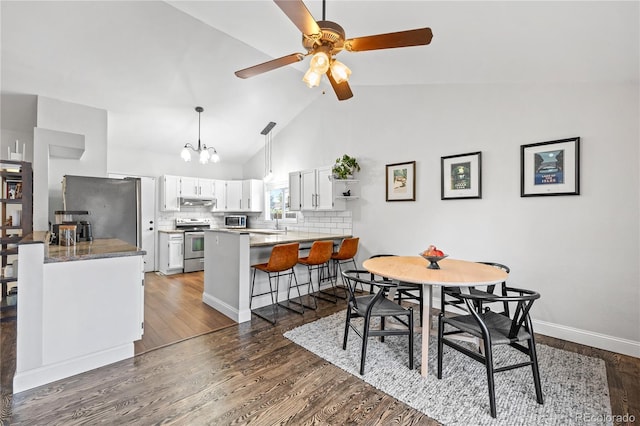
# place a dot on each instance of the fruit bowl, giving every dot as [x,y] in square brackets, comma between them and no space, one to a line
[433,260]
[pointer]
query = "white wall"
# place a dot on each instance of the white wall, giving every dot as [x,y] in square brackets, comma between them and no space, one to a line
[580,252]
[17,120]
[53,114]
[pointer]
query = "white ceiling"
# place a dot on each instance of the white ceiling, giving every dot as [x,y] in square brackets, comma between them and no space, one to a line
[150,63]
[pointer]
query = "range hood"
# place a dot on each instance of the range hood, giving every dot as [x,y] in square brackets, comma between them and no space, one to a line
[186,201]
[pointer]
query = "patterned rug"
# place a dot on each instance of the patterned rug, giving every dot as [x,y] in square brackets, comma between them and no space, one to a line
[574,386]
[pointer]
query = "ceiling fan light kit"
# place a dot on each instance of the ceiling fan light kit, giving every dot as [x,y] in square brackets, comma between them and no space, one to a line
[325,39]
[205,154]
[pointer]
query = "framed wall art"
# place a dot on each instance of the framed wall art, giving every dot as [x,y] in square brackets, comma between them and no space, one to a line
[401,181]
[461,176]
[550,168]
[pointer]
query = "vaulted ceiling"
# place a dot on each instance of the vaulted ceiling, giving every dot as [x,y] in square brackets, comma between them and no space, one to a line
[149,63]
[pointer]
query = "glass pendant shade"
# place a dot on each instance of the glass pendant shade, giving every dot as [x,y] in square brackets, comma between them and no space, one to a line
[185,154]
[204,156]
[340,71]
[214,157]
[312,78]
[319,63]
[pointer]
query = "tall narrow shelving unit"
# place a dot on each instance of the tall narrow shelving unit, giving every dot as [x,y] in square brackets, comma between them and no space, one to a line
[17,202]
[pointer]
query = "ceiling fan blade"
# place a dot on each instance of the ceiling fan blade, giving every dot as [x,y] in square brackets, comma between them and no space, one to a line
[417,37]
[343,91]
[269,65]
[299,15]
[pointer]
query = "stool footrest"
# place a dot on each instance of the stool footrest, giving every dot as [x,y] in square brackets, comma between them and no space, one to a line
[258,312]
[287,305]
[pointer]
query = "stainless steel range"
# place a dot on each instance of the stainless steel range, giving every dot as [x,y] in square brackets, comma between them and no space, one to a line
[193,242]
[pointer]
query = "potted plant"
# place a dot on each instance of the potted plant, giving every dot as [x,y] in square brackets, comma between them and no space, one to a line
[345,167]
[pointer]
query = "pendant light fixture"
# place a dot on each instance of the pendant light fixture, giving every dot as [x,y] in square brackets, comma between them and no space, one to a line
[268,170]
[205,154]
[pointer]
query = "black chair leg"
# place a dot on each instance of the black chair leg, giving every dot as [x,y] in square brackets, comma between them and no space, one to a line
[534,367]
[365,339]
[490,380]
[410,338]
[346,329]
[440,343]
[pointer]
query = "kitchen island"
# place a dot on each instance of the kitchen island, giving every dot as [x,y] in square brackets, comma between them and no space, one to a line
[228,256]
[79,307]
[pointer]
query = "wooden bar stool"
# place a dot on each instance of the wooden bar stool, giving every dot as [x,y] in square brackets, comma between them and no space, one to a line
[281,262]
[346,253]
[318,259]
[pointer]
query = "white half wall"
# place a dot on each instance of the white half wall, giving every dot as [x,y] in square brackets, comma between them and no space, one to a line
[580,252]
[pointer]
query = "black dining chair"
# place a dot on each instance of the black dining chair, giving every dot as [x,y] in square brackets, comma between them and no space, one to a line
[404,290]
[451,295]
[374,305]
[494,329]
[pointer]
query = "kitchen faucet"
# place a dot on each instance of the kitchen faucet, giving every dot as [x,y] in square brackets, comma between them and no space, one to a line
[277,224]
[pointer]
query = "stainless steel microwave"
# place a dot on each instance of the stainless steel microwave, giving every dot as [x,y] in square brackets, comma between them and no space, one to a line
[235,221]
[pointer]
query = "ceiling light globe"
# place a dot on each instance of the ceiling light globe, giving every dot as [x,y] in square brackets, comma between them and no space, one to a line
[319,63]
[340,72]
[312,78]
[204,156]
[214,157]
[185,154]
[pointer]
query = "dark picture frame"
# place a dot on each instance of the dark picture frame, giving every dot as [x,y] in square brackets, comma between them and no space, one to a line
[13,190]
[401,181]
[550,168]
[461,176]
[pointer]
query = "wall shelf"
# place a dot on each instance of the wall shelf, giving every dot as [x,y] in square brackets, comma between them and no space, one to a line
[16,196]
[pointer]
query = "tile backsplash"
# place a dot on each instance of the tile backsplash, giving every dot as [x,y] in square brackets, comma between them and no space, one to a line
[330,222]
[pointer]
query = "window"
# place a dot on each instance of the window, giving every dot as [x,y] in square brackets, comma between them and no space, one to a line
[277,200]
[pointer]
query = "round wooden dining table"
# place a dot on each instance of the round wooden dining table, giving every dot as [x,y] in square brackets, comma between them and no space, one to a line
[452,273]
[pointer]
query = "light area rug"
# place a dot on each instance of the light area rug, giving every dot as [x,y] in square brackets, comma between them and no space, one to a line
[574,386]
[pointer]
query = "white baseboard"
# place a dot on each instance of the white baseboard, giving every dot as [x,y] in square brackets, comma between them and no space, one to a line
[29,379]
[589,338]
[226,309]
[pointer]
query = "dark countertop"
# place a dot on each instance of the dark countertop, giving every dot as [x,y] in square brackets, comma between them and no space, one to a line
[261,239]
[85,250]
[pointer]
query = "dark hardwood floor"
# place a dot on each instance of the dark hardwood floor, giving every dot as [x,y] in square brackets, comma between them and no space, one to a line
[246,373]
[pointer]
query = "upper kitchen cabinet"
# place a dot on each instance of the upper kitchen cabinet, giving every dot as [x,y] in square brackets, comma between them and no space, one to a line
[244,195]
[316,189]
[252,195]
[220,195]
[233,196]
[170,193]
[197,188]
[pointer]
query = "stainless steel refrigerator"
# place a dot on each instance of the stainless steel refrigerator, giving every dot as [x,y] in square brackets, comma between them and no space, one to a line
[113,205]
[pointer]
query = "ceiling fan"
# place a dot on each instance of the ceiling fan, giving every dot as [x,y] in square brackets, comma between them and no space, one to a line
[325,39]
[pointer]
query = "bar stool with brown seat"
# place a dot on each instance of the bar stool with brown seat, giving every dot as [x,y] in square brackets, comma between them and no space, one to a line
[318,260]
[346,253]
[281,262]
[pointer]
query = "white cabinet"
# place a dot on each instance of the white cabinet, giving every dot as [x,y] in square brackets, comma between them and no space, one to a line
[191,187]
[207,188]
[252,195]
[295,202]
[313,190]
[170,193]
[171,252]
[219,196]
[233,201]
